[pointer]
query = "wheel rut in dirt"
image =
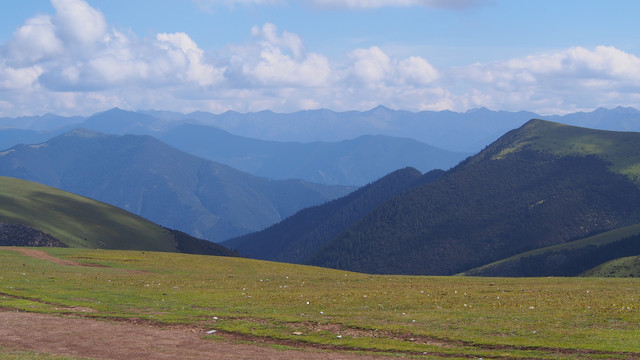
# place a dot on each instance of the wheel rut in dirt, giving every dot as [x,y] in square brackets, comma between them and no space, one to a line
[76,336]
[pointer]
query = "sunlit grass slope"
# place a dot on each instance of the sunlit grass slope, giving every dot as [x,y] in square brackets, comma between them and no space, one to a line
[572,258]
[620,149]
[456,317]
[623,267]
[76,220]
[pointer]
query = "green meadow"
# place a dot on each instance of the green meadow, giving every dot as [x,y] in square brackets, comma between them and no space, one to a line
[296,306]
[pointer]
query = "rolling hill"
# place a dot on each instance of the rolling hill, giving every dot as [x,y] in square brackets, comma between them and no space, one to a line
[568,259]
[33,214]
[149,178]
[540,185]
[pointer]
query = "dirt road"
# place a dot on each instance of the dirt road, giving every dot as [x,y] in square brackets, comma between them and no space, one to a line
[73,336]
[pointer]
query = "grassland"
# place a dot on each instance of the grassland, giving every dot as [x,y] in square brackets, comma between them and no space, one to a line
[623,267]
[76,220]
[598,241]
[459,317]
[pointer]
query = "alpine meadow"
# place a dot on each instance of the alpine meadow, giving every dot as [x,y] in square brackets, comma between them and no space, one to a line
[319,180]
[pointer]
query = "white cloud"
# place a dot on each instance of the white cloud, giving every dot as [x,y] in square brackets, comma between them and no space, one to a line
[575,78]
[74,62]
[373,67]
[417,70]
[34,41]
[185,55]
[19,78]
[78,23]
[280,60]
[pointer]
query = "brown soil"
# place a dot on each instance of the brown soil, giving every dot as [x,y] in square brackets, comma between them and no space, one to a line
[73,336]
[84,337]
[39,254]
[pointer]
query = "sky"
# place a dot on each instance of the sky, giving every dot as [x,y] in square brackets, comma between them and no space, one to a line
[78,57]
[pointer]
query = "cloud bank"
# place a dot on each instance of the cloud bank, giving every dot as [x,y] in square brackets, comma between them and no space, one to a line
[74,62]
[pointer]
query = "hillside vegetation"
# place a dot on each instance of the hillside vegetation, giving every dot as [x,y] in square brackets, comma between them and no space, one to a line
[541,185]
[622,267]
[568,259]
[302,234]
[268,302]
[77,221]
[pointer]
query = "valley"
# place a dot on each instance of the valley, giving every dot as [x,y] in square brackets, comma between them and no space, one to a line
[528,249]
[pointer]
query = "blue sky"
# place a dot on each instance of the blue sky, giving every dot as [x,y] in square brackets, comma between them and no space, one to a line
[83,56]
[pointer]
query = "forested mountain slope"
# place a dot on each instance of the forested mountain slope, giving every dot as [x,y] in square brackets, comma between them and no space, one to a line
[300,235]
[539,185]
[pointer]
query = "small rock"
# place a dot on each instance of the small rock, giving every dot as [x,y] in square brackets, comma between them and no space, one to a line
[297,333]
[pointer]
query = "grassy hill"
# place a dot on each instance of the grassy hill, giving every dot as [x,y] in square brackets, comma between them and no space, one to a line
[301,306]
[540,185]
[619,149]
[568,259]
[81,222]
[622,267]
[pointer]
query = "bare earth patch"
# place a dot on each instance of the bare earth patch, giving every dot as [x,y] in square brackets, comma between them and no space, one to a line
[72,336]
[39,254]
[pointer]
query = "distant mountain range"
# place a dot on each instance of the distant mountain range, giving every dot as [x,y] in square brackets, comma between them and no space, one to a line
[337,147]
[33,214]
[348,162]
[149,178]
[540,185]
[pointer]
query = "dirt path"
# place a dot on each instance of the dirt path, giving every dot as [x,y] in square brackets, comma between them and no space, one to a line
[69,336]
[39,254]
[77,336]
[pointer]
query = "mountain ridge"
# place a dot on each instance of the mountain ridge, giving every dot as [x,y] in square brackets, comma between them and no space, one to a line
[298,236]
[540,185]
[147,177]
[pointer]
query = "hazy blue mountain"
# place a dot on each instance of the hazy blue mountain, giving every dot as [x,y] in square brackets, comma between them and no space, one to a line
[349,162]
[147,177]
[465,132]
[12,137]
[617,119]
[461,132]
[121,122]
[44,122]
